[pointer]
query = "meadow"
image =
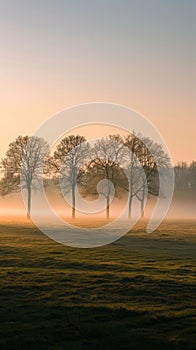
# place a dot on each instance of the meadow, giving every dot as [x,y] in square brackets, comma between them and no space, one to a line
[137,293]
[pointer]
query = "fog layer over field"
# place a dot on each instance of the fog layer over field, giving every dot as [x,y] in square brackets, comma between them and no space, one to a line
[13,206]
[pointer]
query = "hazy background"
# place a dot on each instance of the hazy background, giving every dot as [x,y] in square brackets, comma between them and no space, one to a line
[55,54]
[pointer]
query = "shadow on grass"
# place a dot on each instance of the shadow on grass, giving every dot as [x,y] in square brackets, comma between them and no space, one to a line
[137,293]
[39,326]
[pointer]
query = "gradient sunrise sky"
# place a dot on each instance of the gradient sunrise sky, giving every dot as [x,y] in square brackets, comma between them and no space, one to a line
[138,53]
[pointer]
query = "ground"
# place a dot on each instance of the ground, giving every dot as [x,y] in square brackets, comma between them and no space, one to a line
[137,293]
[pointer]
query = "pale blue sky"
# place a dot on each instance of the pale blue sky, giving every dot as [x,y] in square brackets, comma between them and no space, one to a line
[140,53]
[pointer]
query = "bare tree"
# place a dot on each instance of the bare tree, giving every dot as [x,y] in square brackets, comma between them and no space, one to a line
[192,177]
[185,178]
[23,165]
[67,163]
[107,155]
[133,170]
[141,183]
[181,177]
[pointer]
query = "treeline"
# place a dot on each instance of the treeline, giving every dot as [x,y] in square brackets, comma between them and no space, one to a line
[185,178]
[128,165]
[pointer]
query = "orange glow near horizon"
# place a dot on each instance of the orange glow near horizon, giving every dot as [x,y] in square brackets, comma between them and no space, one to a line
[23,118]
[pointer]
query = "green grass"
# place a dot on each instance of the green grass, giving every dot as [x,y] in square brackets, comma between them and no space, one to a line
[138,293]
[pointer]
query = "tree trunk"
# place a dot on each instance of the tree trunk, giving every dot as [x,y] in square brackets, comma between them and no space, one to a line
[142,208]
[131,186]
[142,200]
[29,202]
[108,207]
[73,202]
[130,205]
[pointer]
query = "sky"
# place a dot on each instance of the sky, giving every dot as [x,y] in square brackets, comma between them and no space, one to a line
[138,53]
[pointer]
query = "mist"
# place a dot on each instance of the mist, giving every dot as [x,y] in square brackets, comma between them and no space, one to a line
[12,207]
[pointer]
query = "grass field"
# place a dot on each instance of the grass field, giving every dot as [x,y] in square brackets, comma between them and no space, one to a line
[137,293]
